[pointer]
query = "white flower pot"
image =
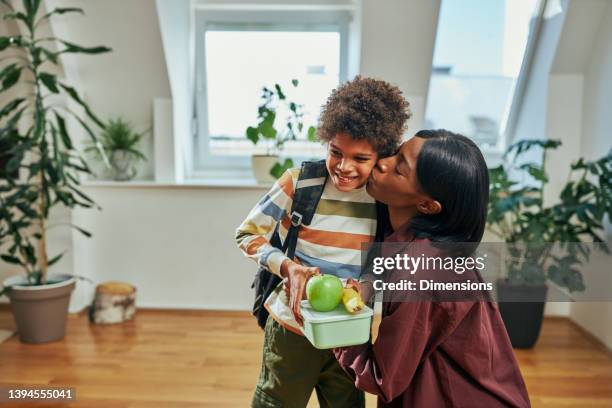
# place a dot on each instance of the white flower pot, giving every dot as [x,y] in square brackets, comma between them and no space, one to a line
[261,165]
[121,162]
[40,311]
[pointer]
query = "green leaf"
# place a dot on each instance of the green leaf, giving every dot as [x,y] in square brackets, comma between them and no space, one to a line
[81,194]
[17,16]
[75,96]
[312,134]
[14,163]
[51,56]
[278,169]
[50,81]
[61,10]
[535,171]
[10,75]
[31,8]
[279,92]
[73,48]
[523,146]
[30,254]
[266,127]
[4,43]
[11,106]
[267,130]
[27,210]
[81,230]
[295,82]
[56,258]
[10,259]
[61,125]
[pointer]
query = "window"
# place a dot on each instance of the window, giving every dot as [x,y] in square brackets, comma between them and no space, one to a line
[482,47]
[238,53]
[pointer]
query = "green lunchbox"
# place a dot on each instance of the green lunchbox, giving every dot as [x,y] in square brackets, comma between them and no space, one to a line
[337,328]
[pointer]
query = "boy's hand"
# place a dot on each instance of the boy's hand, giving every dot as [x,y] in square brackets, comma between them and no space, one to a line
[296,276]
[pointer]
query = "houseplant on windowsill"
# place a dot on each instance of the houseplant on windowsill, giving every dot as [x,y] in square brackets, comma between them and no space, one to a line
[268,167]
[517,215]
[120,144]
[43,152]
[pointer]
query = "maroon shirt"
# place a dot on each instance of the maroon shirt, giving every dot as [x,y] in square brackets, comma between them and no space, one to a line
[437,354]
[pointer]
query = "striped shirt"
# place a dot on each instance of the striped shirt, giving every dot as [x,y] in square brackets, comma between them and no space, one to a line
[332,242]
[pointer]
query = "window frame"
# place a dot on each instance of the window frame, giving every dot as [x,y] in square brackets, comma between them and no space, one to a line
[494,155]
[204,162]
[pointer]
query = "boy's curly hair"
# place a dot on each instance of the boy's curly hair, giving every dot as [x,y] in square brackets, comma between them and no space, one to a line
[366,108]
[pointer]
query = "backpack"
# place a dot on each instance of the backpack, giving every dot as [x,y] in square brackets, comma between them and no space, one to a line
[308,191]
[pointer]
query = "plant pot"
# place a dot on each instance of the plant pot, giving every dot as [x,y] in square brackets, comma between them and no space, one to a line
[121,162]
[523,311]
[40,311]
[261,165]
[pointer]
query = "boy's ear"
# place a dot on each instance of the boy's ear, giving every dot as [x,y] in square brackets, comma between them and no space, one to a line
[429,207]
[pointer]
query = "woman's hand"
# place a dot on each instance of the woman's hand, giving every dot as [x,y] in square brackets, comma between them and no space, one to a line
[296,276]
[365,289]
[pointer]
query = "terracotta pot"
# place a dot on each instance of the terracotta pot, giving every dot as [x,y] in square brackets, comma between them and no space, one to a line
[40,311]
[262,164]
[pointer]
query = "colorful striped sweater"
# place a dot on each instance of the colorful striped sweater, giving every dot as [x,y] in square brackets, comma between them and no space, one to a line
[332,242]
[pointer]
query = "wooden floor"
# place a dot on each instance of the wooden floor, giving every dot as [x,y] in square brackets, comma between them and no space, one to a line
[190,359]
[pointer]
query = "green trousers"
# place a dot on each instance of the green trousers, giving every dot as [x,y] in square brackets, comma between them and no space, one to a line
[292,368]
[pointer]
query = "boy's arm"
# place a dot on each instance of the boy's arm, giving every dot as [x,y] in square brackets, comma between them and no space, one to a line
[254,233]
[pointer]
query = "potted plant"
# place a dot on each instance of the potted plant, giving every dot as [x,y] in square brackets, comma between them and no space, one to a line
[120,144]
[268,167]
[517,215]
[42,148]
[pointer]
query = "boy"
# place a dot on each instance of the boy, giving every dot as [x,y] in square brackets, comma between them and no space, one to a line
[362,121]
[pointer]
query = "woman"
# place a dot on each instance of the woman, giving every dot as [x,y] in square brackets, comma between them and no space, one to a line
[436,353]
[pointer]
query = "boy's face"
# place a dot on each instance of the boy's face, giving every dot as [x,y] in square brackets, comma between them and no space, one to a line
[349,161]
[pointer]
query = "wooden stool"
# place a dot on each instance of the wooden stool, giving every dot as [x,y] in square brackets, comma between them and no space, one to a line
[114,303]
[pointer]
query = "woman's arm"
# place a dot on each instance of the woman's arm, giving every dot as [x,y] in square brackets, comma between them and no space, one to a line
[405,338]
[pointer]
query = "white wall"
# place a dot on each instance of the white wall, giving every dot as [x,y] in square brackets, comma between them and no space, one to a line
[397,45]
[596,141]
[125,81]
[175,23]
[176,244]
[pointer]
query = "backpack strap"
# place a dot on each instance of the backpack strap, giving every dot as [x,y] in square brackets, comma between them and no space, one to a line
[308,191]
[383,224]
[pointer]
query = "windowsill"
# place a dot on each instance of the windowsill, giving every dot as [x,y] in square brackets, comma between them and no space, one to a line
[191,183]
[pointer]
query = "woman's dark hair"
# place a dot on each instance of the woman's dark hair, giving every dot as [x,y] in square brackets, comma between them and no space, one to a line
[452,170]
[369,109]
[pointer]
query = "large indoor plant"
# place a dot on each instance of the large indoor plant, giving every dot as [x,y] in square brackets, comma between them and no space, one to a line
[120,143]
[49,165]
[274,134]
[531,229]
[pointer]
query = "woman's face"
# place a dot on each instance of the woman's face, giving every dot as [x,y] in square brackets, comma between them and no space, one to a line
[394,180]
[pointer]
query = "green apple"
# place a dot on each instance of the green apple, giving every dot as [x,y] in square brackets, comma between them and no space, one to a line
[324,292]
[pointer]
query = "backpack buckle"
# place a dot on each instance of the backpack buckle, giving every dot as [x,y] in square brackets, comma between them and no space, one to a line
[296,219]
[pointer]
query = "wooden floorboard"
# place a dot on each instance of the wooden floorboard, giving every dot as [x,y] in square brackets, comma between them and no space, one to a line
[188,359]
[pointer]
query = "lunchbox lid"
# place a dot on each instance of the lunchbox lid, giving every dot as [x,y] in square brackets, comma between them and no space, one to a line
[312,316]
